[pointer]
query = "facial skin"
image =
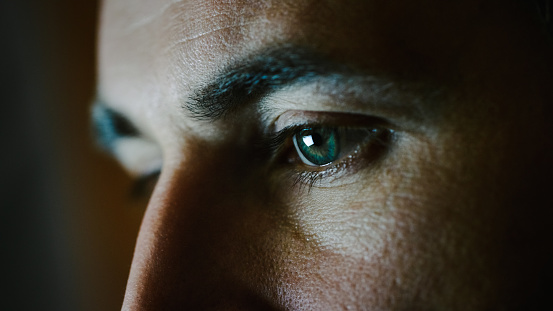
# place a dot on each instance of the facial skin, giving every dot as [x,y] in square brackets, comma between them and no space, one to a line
[445,208]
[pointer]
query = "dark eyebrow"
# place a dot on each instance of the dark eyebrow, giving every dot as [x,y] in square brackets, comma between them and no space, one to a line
[109,125]
[256,75]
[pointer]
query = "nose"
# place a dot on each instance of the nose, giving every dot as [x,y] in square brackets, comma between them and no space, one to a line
[199,243]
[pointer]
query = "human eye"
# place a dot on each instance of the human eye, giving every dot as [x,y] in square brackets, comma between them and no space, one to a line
[138,153]
[321,150]
[321,145]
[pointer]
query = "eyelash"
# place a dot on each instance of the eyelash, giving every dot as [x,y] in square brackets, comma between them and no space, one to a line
[279,145]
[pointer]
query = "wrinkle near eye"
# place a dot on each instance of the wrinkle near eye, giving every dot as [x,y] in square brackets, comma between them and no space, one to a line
[210,32]
[150,18]
[211,19]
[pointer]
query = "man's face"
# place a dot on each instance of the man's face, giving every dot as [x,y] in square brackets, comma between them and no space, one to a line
[331,155]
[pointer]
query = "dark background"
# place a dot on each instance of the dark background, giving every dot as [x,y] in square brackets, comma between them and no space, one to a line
[67,227]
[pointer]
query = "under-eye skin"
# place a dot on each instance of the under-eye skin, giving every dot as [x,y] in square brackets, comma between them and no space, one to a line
[315,152]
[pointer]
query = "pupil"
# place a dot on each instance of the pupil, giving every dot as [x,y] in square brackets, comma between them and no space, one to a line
[317,139]
[318,146]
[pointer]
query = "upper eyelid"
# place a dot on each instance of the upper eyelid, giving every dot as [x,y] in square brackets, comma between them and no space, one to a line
[407,105]
[326,118]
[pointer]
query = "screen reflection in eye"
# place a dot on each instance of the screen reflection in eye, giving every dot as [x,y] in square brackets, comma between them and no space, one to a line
[317,147]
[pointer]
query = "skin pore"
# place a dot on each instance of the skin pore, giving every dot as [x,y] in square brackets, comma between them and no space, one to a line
[436,198]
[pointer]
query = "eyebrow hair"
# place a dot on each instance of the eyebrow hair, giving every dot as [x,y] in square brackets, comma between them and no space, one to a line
[109,125]
[257,75]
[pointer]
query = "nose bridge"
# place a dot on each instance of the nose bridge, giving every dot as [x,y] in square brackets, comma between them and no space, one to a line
[172,238]
[192,224]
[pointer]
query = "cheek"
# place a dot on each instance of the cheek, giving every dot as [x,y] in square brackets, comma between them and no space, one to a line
[358,237]
[417,231]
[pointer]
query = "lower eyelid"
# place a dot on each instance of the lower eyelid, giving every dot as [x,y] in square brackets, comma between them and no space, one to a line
[326,176]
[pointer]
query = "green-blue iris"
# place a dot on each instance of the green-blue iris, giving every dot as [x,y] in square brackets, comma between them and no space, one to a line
[319,146]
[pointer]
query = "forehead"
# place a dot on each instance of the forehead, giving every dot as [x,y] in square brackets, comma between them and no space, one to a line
[178,43]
